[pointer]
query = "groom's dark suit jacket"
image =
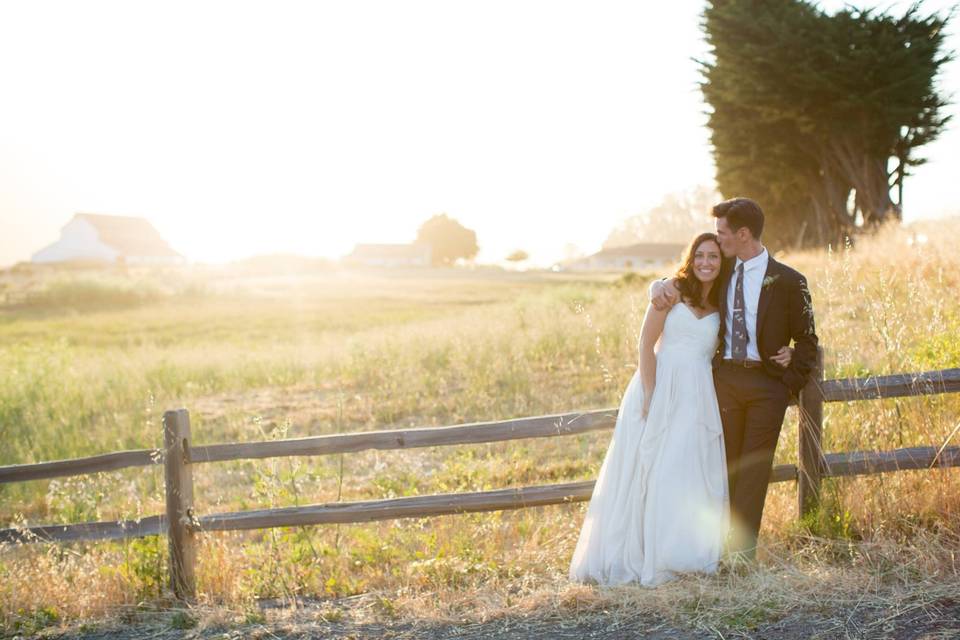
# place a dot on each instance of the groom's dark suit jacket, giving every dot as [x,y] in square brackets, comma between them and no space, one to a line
[784,312]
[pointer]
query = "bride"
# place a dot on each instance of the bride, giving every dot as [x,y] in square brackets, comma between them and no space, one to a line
[660,503]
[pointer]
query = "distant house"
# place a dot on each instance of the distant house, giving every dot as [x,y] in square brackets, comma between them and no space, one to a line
[644,255]
[390,255]
[112,239]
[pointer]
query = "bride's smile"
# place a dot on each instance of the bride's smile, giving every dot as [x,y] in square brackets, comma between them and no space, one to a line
[707,273]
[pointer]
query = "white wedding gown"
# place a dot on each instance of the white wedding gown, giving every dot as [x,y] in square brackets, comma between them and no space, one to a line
[660,504]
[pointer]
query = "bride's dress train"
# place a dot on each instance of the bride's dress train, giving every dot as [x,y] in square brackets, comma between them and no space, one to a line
[660,503]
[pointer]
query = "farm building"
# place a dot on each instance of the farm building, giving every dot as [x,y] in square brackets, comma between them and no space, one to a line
[112,239]
[390,255]
[632,257]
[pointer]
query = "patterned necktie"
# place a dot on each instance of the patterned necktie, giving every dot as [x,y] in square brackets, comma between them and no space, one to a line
[738,349]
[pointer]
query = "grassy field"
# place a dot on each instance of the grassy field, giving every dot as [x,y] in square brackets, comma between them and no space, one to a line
[89,362]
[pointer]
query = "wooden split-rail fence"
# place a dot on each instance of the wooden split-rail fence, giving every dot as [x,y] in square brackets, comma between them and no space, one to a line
[179,457]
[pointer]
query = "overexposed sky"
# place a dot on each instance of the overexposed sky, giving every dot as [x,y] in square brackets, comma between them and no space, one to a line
[243,128]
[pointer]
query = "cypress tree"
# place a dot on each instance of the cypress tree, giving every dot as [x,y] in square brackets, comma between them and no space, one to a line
[819,116]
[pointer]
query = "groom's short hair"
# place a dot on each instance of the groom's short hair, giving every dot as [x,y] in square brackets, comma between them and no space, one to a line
[741,212]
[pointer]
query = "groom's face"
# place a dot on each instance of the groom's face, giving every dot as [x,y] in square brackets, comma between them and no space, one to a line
[728,239]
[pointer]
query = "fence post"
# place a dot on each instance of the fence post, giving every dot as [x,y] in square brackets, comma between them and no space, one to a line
[811,462]
[178,476]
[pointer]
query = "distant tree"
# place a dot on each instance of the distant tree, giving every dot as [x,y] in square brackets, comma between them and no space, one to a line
[818,116]
[518,256]
[448,239]
[677,218]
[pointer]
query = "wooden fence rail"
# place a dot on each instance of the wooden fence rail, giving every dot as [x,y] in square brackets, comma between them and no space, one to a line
[475,433]
[846,390]
[179,455]
[839,464]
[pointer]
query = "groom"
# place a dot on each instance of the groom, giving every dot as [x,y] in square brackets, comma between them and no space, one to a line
[763,306]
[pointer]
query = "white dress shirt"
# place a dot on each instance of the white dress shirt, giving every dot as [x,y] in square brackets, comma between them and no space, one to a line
[754,270]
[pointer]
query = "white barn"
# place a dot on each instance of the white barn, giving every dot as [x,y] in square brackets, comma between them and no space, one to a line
[645,255]
[112,239]
[390,255]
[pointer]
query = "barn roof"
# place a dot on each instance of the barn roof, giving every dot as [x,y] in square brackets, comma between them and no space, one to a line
[131,236]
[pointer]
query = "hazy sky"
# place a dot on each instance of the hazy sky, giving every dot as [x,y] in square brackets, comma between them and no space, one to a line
[243,128]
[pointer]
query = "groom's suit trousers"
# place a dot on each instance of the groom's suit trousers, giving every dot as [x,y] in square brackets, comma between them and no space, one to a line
[752,407]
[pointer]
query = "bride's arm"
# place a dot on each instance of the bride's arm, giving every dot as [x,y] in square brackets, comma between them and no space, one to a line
[649,334]
[664,293]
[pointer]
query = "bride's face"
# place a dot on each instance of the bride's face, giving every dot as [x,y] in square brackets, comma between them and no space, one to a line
[706,261]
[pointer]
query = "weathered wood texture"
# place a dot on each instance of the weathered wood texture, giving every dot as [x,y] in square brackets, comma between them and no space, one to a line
[479,432]
[149,526]
[810,436]
[178,476]
[859,463]
[895,386]
[80,466]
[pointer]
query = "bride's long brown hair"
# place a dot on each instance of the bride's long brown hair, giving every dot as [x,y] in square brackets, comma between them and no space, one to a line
[690,286]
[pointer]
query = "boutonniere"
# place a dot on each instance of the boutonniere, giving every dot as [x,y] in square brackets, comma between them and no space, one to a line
[769,280]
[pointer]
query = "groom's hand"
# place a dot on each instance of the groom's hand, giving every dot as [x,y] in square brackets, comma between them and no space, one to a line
[663,294]
[783,357]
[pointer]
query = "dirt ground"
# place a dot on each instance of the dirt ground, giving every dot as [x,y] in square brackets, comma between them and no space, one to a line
[938,620]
